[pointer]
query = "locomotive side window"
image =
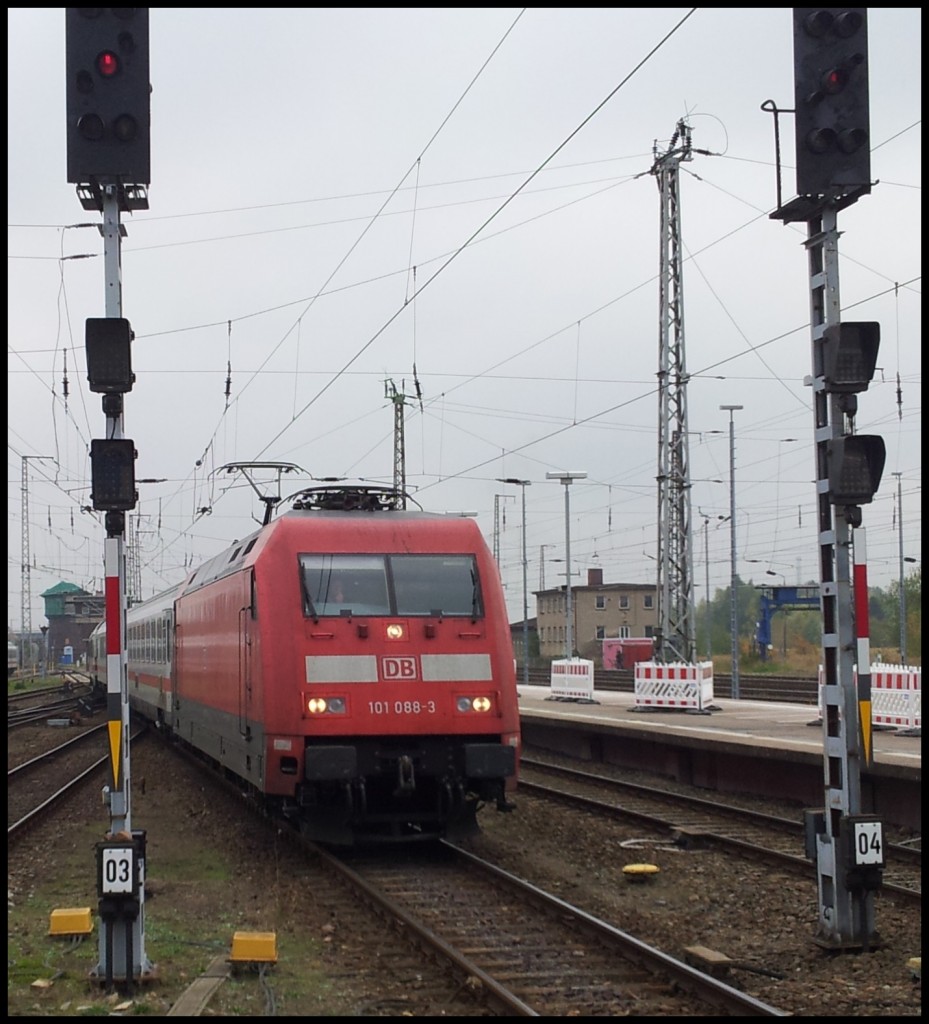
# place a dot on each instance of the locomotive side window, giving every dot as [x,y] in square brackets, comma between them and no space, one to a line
[344,585]
[436,585]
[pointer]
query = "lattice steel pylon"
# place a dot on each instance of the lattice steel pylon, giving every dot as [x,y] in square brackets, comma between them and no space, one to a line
[26,571]
[676,640]
[399,400]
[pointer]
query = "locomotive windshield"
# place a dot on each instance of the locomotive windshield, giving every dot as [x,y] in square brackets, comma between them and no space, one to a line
[445,585]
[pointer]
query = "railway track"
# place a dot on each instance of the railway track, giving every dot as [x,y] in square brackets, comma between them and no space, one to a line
[511,946]
[73,696]
[693,821]
[40,785]
[528,953]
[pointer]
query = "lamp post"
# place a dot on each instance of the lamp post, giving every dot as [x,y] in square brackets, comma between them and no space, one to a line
[523,484]
[733,600]
[567,478]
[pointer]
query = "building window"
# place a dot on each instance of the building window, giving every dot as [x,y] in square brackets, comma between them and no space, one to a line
[624,632]
[648,631]
[601,632]
[649,600]
[600,603]
[623,600]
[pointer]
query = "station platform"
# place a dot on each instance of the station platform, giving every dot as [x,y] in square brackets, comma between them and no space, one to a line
[762,748]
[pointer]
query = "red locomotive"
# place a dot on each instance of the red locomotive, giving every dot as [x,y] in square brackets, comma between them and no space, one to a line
[351,662]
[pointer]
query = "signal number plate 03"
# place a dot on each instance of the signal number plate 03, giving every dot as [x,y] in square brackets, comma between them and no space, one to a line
[402,707]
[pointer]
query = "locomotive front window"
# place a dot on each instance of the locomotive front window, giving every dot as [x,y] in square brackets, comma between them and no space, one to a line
[344,585]
[444,585]
[436,585]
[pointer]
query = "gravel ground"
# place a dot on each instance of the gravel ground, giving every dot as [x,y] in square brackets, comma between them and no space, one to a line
[214,870]
[752,914]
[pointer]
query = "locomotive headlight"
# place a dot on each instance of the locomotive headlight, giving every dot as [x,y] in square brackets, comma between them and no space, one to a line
[326,705]
[395,631]
[473,703]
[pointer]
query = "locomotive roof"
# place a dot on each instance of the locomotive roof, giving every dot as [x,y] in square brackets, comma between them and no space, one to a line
[360,524]
[375,526]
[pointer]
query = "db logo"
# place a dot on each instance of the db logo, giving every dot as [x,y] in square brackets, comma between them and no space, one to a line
[398,668]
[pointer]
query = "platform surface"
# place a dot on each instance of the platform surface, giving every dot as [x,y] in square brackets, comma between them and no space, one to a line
[782,727]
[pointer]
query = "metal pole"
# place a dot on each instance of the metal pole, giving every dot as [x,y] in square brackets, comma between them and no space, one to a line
[524,484]
[525,595]
[733,575]
[566,479]
[569,623]
[706,559]
[899,477]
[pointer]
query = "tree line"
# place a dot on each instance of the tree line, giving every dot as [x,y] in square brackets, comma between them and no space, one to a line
[797,633]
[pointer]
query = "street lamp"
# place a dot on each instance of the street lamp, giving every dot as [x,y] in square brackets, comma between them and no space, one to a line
[733,600]
[567,478]
[523,484]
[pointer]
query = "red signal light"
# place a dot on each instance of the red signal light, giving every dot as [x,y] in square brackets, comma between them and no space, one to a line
[107,63]
[834,81]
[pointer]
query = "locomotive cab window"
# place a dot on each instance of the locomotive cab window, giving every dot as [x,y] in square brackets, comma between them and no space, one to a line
[443,585]
[344,585]
[436,585]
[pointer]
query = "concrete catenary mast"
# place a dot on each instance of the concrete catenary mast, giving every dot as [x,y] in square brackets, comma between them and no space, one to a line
[676,639]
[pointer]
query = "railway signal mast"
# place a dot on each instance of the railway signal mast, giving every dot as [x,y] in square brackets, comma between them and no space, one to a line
[108,159]
[676,640]
[833,171]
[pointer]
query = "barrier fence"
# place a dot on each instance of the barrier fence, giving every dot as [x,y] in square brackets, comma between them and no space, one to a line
[572,679]
[896,696]
[674,685]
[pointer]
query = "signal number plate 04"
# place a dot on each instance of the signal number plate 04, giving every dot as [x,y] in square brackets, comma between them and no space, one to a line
[402,707]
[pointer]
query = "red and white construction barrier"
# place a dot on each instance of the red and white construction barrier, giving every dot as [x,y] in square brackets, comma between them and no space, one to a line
[896,695]
[676,685]
[572,679]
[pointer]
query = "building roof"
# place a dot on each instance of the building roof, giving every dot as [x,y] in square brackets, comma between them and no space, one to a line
[63,588]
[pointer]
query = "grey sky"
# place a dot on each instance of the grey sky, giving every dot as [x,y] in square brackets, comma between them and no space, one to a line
[305,161]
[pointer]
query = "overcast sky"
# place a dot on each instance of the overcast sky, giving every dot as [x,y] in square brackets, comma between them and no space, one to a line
[341,195]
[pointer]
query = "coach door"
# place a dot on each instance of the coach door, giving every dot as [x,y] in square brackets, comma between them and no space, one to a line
[246,616]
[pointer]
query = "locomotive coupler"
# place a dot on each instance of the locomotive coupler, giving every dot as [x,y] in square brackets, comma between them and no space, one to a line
[406,780]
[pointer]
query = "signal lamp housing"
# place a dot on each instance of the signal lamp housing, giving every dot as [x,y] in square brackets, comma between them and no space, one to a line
[109,359]
[855,464]
[850,356]
[112,466]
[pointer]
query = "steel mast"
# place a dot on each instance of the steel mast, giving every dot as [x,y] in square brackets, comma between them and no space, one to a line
[676,640]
